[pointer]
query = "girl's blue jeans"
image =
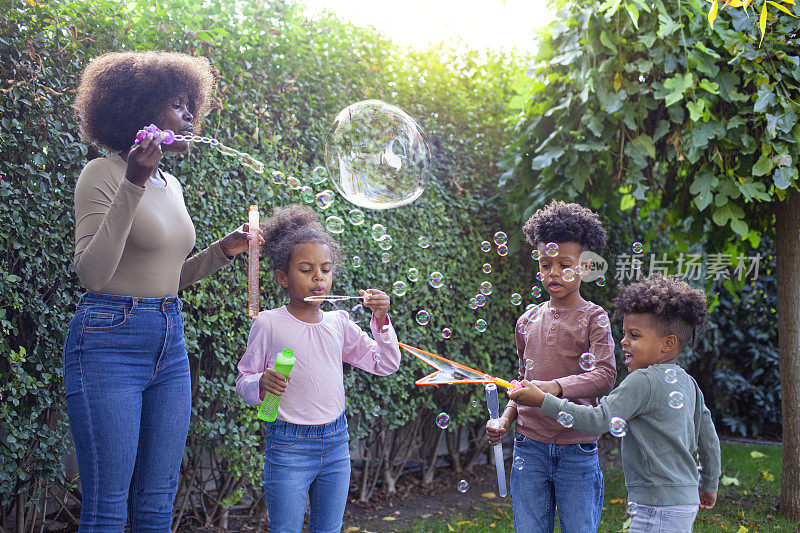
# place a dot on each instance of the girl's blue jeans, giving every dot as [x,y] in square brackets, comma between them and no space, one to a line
[563,476]
[306,464]
[663,519]
[126,376]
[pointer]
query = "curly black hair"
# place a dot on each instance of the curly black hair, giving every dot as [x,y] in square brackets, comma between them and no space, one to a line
[292,225]
[122,92]
[674,306]
[562,222]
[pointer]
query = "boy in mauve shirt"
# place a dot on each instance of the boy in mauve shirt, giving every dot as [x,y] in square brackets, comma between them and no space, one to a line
[565,347]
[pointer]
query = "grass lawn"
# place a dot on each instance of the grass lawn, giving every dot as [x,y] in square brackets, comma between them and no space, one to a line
[748,507]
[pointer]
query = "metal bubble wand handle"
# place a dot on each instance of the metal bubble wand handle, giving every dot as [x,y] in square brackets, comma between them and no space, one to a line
[245,159]
[252,266]
[493,403]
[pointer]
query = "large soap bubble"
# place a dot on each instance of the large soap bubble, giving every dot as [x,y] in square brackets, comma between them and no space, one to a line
[376,155]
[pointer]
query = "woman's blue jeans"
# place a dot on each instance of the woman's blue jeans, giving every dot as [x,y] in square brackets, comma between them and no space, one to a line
[128,390]
[563,476]
[306,464]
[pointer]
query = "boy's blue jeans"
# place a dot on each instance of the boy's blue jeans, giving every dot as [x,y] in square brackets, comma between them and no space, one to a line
[128,393]
[303,463]
[563,476]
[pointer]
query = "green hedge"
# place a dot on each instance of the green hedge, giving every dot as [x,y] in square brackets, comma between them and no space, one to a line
[282,79]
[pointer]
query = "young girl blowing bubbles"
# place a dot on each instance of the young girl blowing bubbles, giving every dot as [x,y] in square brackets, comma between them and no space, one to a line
[307,453]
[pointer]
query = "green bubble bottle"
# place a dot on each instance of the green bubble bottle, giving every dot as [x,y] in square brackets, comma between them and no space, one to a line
[269,407]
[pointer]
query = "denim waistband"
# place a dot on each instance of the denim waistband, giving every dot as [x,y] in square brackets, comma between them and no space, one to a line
[131,302]
[319,430]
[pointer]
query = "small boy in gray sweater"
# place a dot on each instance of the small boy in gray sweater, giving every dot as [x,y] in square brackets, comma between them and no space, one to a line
[658,409]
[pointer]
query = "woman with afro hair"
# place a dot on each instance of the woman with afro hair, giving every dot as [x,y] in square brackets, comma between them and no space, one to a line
[126,371]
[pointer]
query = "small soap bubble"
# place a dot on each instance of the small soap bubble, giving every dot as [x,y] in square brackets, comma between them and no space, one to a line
[446,333]
[529,364]
[551,249]
[487,268]
[486,246]
[568,274]
[423,241]
[325,199]
[385,257]
[334,224]
[293,183]
[473,303]
[565,419]
[376,410]
[637,247]
[676,399]
[423,317]
[378,231]
[601,281]
[536,291]
[474,403]
[617,426]
[603,321]
[385,242]
[307,194]
[516,298]
[481,299]
[670,375]
[631,509]
[582,322]
[636,264]
[587,361]
[539,276]
[356,261]
[500,238]
[399,288]
[413,274]
[436,279]
[502,250]
[519,463]
[357,313]
[480,325]
[522,328]
[463,486]
[320,174]
[486,288]
[536,254]
[443,420]
[356,217]
[278,178]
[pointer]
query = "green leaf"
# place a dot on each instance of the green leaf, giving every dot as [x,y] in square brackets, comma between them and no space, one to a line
[710,86]
[677,86]
[646,142]
[763,166]
[702,188]
[626,202]
[729,211]
[782,177]
[727,480]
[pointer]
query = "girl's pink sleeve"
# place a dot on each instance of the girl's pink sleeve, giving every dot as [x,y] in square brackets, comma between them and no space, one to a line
[255,361]
[380,355]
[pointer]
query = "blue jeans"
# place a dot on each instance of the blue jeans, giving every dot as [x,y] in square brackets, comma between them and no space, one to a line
[126,376]
[663,519]
[563,476]
[304,463]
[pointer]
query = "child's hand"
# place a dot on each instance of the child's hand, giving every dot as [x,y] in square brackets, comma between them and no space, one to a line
[273,382]
[550,387]
[378,301]
[529,394]
[708,500]
[495,433]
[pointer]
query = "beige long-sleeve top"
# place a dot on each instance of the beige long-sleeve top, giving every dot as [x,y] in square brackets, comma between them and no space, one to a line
[135,241]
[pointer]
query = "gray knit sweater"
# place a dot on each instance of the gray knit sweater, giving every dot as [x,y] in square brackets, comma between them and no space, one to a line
[658,448]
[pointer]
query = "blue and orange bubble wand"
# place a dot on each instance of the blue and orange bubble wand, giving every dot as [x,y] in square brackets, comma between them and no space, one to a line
[245,159]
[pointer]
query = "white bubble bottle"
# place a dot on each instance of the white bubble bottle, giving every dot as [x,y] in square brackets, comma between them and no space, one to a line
[252,268]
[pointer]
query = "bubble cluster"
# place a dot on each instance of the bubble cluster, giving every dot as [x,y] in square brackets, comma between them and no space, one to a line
[447,333]
[423,241]
[565,419]
[463,486]
[486,246]
[486,288]
[325,199]
[376,155]
[443,420]
[536,291]
[519,463]
[500,238]
[487,268]
[516,298]
[480,325]
[551,249]
[617,426]
[676,399]
[413,274]
[356,261]
[334,224]
[670,375]
[436,279]
[356,217]
[399,288]
[587,361]
[637,247]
